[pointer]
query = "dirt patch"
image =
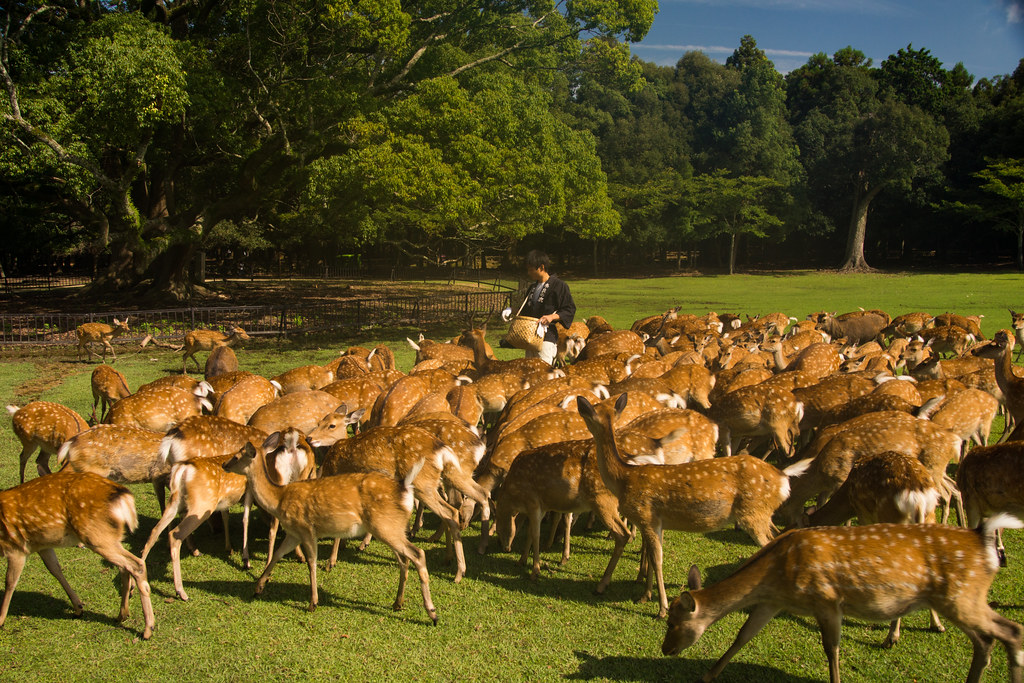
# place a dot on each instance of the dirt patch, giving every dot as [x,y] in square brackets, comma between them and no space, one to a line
[49,374]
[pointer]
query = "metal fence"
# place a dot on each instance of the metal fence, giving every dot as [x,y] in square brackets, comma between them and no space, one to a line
[350,315]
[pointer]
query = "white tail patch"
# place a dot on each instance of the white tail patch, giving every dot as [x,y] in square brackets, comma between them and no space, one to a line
[988,528]
[916,505]
[601,391]
[172,449]
[648,459]
[414,345]
[408,497]
[206,405]
[478,452]
[463,380]
[203,389]
[446,456]
[123,511]
[797,469]
[12,409]
[799,411]
[62,454]
[276,385]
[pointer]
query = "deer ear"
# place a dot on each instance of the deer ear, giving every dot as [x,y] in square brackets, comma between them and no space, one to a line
[272,441]
[584,407]
[693,580]
[620,404]
[342,409]
[248,450]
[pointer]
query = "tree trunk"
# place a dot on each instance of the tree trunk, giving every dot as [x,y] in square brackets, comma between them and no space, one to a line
[1020,247]
[854,257]
[733,240]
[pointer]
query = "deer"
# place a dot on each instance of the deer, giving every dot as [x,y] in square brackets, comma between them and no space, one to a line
[304,378]
[758,411]
[1009,383]
[43,426]
[206,340]
[100,333]
[698,496]
[988,478]
[221,361]
[242,399]
[61,510]
[159,409]
[200,486]
[819,359]
[968,414]
[844,445]
[393,451]
[561,477]
[886,488]
[876,572]
[341,505]
[301,410]
[108,387]
[358,393]
[1017,324]
[127,455]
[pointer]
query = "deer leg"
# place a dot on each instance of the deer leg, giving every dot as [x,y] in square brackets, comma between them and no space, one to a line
[472,494]
[366,541]
[50,560]
[314,597]
[568,528]
[190,523]
[132,568]
[609,515]
[166,518]
[43,463]
[894,634]
[759,616]
[936,624]
[15,563]
[26,452]
[831,625]
[334,553]
[449,520]
[417,522]
[246,509]
[227,537]
[287,545]
[556,522]
[536,515]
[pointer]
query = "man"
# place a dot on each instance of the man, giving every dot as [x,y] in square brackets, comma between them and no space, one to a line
[549,300]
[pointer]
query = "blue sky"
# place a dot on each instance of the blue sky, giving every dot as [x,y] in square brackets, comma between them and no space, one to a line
[986,35]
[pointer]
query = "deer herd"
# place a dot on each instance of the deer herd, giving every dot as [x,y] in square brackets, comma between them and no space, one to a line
[683,422]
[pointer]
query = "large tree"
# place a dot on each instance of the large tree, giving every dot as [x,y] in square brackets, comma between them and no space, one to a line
[225,106]
[858,139]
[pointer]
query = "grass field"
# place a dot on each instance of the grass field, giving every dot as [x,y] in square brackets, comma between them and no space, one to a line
[495,624]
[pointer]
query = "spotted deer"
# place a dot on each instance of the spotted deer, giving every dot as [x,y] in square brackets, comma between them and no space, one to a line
[43,426]
[301,410]
[240,401]
[842,446]
[159,409]
[127,455]
[100,333]
[698,496]
[200,486]
[341,505]
[64,509]
[888,487]
[1017,324]
[758,411]
[989,481]
[206,340]
[876,572]
[304,378]
[108,387]
[221,361]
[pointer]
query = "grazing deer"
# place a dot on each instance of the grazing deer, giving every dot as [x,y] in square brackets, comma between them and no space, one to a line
[1017,323]
[100,333]
[44,426]
[64,509]
[346,505]
[302,410]
[891,488]
[240,401]
[108,387]
[221,361]
[159,409]
[877,572]
[818,359]
[840,447]
[699,496]
[758,411]
[205,340]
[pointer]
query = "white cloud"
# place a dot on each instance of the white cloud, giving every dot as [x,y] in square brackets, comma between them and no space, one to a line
[1014,12]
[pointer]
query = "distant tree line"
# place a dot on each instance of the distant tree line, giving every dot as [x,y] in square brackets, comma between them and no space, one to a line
[138,135]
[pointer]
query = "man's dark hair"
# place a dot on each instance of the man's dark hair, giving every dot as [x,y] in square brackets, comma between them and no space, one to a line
[537,258]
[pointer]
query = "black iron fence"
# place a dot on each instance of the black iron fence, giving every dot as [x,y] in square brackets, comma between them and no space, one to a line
[351,315]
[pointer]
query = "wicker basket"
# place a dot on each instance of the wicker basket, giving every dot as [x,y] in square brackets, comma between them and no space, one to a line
[522,333]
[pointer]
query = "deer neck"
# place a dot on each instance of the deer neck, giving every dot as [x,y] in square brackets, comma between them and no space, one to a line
[1004,371]
[264,490]
[781,362]
[480,358]
[610,463]
[743,589]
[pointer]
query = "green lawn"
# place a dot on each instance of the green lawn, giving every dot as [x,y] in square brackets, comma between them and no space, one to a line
[495,624]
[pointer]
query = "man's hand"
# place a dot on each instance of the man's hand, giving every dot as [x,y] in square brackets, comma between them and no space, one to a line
[548,319]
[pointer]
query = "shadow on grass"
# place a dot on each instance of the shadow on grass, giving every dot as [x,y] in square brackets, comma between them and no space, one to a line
[618,668]
[27,604]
